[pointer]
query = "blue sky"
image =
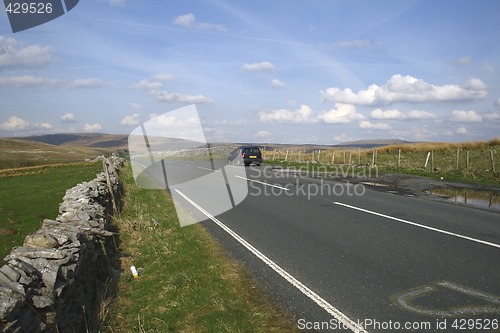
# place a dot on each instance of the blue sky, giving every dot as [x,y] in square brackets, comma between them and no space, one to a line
[260,71]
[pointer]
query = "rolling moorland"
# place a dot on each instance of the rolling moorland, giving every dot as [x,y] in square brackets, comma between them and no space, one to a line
[466,161]
[230,299]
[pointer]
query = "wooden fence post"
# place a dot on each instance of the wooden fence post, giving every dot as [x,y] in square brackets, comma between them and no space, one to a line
[467,162]
[432,160]
[427,160]
[492,161]
[110,186]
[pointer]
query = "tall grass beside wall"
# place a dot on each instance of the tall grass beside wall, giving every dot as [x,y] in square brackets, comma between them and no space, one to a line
[186,282]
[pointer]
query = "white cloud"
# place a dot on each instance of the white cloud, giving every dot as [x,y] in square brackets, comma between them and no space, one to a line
[14,123]
[354,44]
[171,121]
[388,114]
[117,3]
[341,114]
[147,85]
[86,83]
[282,115]
[465,116]
[406,89]
[365,124]
[130,120]
[135,106]
[264,134]
[46,126]
[163,77]
[277,83]
[264,66]
[462,130]
[467,60]
[236,122]
[419,114]
[165,96]
[17,55]
[491,116]
[475,84]
[189,21]
[69,118]
[25,81]
[92,127]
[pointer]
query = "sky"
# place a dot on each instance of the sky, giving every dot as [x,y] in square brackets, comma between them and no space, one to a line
[284,71]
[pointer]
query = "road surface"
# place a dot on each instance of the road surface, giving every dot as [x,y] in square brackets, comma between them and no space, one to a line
[343,257]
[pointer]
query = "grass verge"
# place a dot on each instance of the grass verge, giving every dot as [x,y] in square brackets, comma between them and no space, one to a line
[29,195]
[186,282]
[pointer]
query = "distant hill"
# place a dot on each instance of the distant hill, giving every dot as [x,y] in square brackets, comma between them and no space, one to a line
[373,143]
[364,144]
[17,152]
[96,140]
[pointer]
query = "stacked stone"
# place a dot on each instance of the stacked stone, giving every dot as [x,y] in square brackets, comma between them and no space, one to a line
[54,282]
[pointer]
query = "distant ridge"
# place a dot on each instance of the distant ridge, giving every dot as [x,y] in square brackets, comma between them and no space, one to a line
[94,140]
[373,143]
[120,141]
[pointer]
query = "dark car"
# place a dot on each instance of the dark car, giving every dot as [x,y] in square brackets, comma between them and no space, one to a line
[246,155]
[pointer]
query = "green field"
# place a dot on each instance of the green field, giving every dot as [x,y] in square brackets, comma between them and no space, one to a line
[29,195]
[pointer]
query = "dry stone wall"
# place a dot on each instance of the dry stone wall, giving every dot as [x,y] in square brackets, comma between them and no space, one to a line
[55,281]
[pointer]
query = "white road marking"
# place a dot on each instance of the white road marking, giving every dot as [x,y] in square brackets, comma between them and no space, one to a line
[406,301]
[419,225]
[207,169]
[257,181]
[352,325]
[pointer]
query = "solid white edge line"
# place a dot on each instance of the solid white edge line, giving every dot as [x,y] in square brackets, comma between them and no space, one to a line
[419,225]
[346,321]
[257,181]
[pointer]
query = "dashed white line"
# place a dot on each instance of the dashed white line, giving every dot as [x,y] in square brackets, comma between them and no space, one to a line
[267,184]
[203,168]
[419,225]
[346,321]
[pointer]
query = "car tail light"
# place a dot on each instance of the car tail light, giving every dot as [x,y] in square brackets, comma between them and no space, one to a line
[242,154]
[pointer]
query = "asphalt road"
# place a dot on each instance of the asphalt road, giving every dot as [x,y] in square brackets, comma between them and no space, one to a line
[342,257]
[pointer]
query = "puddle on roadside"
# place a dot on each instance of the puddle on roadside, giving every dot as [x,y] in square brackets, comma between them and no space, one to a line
[483,199]
[374,184]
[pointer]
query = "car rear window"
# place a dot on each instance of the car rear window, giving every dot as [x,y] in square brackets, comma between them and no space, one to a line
[252,150]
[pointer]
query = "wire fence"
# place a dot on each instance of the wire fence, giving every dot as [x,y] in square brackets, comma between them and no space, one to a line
[443,160]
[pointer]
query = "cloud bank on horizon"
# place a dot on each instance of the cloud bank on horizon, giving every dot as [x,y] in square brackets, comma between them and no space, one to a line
[289,72]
